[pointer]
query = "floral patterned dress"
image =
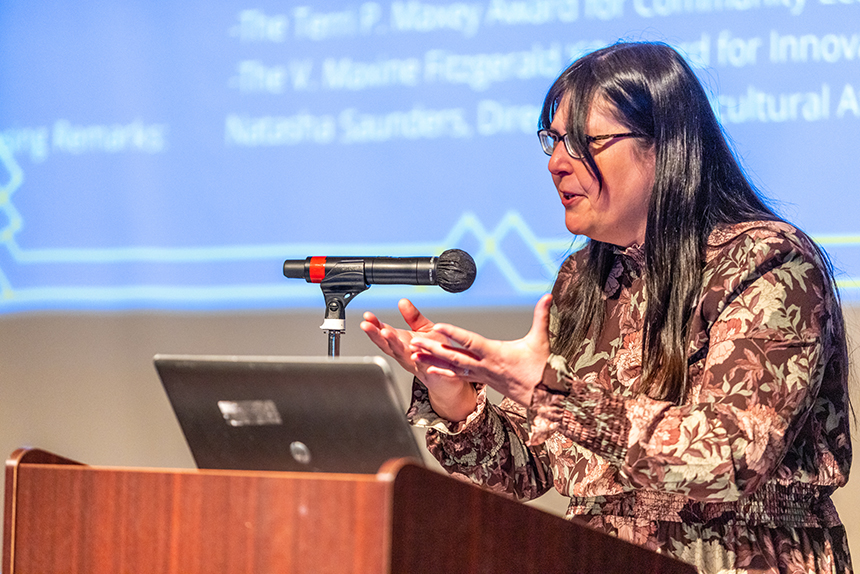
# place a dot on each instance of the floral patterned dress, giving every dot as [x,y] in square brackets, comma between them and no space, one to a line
[735,479]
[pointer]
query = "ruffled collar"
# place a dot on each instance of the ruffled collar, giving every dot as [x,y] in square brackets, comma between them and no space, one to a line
[635,254]
[630,259]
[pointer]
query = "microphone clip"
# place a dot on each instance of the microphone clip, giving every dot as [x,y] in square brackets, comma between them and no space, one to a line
[339,287]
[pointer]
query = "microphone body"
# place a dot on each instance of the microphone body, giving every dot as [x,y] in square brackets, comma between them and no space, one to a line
[377,270]
[454,270]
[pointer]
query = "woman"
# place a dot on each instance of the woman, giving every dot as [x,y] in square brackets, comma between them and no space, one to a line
[686,382]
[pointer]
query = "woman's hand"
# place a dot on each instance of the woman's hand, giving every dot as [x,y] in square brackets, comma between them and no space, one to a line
[452,397]
[514,368]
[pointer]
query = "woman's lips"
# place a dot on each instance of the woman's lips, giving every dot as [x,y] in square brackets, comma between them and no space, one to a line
[568,198]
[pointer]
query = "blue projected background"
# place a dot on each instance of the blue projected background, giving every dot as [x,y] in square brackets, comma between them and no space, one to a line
[172,155]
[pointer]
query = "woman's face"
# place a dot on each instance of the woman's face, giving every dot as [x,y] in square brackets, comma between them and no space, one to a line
[617,214]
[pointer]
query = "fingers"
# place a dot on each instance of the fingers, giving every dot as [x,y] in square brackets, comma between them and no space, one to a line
[375,336]
[433,371]
[373,327]
[443,352]
[540,323]
[435,365]
[372,320]
[383,336]
[446,354]
[457,336]
[441,369]
[413,317]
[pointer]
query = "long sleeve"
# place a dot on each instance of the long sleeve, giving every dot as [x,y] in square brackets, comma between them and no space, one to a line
[761,347]
[488,448]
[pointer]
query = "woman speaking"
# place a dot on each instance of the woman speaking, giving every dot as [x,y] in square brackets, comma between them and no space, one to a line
[685,384]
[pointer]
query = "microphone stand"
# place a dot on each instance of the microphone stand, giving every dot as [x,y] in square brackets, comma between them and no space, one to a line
[340,286]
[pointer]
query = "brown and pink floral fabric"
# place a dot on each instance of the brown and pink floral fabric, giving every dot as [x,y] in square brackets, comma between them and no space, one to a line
[735,479]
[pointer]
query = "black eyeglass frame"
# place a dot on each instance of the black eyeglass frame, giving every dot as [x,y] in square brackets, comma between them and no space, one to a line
[551,135]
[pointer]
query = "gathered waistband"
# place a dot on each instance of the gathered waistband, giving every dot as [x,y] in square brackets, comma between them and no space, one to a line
[794,505]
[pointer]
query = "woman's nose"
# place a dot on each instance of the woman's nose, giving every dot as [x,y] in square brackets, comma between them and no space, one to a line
[560,161]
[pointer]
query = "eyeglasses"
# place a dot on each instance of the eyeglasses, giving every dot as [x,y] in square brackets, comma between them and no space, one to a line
[549,139]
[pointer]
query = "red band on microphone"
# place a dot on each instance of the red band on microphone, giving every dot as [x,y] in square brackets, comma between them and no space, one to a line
[317,269]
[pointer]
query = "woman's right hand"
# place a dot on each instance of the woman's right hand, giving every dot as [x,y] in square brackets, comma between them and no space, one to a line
[452,397]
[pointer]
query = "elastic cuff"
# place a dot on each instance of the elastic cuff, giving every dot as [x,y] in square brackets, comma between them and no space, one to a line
[422,415]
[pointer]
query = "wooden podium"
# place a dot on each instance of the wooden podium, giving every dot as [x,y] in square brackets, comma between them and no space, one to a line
[65,517]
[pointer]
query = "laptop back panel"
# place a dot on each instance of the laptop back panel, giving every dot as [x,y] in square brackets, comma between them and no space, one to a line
[303,414]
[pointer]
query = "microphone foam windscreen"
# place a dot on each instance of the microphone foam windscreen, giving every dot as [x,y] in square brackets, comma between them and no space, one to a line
[455,270]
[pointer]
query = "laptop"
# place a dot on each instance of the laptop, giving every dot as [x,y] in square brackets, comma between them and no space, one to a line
[307,414]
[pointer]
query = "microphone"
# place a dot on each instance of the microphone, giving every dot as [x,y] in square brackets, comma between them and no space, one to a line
[454,270]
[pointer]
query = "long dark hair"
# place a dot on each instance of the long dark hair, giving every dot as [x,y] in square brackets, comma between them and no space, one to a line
[698,184]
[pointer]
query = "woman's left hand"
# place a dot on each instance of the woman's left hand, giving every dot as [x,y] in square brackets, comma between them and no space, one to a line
[514,368]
